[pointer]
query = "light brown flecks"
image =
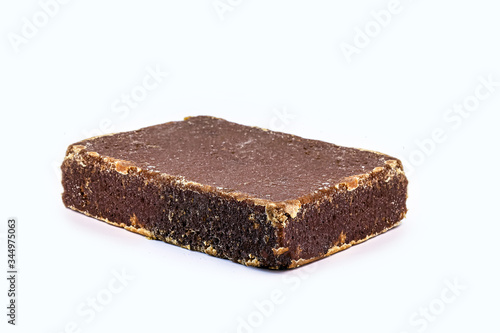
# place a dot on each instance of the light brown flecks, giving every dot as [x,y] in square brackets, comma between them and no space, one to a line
[100,136]
[76,149]
[342,238]
[275,215]
[211,251]
[392,163]
[395,165]
[371,151]
[133,219]
[250,262]
[256,225]
[211,117]
[351,183]
[396,169]
[279,213]
[280,250]
[260,128]
[122,167]
[93,154]
[141,231]
[292,208]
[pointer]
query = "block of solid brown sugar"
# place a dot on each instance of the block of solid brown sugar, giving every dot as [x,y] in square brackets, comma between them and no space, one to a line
[254,196]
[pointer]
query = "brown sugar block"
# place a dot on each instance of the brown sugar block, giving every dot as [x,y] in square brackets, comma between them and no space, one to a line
[257,197]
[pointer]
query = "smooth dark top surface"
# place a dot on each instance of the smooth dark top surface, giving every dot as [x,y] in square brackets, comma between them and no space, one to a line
[264,164]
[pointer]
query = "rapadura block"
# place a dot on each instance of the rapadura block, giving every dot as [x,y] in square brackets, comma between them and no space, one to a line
[257,197]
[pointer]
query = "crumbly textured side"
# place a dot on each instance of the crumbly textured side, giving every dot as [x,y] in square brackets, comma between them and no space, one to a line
[349,213]
[235,226]
[169,209]
[337,248]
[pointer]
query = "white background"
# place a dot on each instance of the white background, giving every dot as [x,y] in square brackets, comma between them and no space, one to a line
[275,64]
